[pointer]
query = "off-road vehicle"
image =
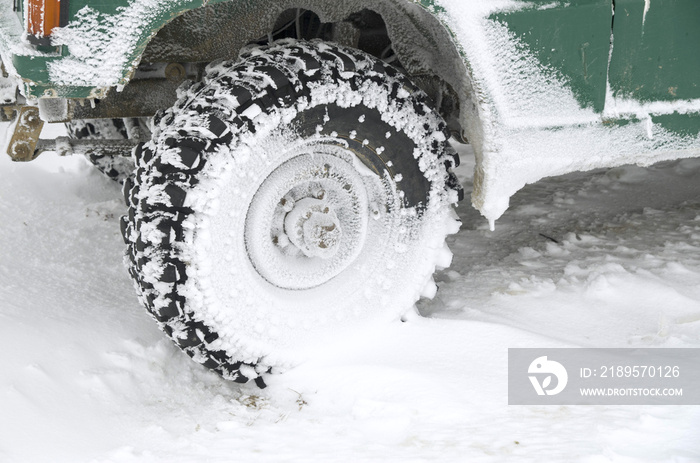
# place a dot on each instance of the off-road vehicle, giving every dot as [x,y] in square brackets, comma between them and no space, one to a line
[287,164]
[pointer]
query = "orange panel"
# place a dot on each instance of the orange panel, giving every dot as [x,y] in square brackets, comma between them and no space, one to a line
[43,16]
[34,17]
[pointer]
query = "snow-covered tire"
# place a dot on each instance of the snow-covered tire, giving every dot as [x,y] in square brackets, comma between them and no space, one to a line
[287,201]
[118,168]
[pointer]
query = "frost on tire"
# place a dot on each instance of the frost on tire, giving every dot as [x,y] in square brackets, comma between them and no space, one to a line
[285,202]
[118,168]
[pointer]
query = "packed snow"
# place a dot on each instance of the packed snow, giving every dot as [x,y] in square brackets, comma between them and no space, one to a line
[609,258]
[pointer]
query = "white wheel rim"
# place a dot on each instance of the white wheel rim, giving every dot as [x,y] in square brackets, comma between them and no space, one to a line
[373,281]
[307,221]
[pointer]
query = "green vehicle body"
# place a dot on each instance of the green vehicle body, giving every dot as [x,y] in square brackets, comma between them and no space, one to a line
[653,59]
[646,56]
[34,68]
[604,52]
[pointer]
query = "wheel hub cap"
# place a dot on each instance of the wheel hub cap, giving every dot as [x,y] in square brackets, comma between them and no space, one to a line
[307,221]
[314,228]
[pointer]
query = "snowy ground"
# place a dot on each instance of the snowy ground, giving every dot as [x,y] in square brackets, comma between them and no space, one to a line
[603,259]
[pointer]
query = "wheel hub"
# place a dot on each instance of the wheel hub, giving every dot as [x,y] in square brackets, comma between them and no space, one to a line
[307,221]
[314,228]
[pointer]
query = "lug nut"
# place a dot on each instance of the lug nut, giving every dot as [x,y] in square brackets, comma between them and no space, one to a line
[287,203]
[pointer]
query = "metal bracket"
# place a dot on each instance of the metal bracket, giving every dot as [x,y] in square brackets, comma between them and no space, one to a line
[25,135]
[25,144]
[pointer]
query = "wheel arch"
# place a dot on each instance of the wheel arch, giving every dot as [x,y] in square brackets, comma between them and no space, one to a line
[422,41]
